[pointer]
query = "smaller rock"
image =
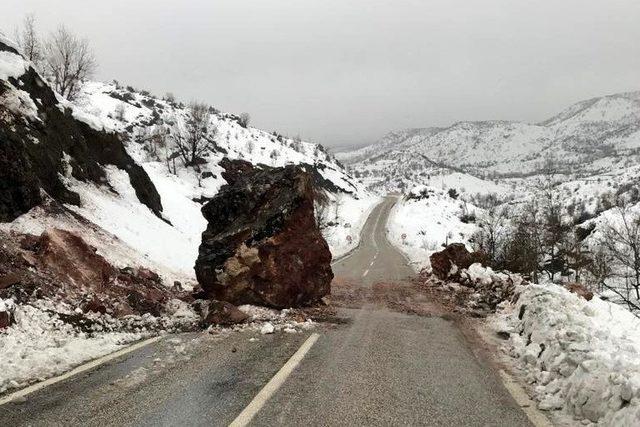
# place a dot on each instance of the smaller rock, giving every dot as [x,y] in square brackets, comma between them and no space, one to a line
[95,305]
[7,308]
[9,280]
[223,313]
[452,259]
[580,290]
[267,328]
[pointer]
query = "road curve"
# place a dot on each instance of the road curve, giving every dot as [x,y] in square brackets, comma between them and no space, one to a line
[376,368]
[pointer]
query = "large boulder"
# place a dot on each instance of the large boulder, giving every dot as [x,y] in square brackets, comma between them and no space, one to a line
[448,262]
[262,244]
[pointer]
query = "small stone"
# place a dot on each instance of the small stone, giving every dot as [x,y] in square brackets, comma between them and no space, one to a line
[267,328]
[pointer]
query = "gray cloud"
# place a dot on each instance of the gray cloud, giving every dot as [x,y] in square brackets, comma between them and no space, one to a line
[339,71]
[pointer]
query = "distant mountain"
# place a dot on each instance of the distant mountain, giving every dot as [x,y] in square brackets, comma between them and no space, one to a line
[587,138]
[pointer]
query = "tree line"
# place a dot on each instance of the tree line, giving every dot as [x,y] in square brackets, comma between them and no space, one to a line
[539,240]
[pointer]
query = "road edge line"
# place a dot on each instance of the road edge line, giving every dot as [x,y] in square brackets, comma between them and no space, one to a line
[274,384]
[77,370]
[528,406]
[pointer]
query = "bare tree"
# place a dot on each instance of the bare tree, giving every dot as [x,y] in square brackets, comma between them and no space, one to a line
[68,61]
[197,136]
[170,98]
[245,118]
[491,234]
[523,247]
[120,112]
[621,242]
[28,41]
[250,145]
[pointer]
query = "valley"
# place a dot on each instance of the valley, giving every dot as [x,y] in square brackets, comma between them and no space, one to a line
[164,262]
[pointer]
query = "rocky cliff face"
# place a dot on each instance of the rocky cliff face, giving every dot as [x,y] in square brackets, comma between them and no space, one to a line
[262,244]
[41,141]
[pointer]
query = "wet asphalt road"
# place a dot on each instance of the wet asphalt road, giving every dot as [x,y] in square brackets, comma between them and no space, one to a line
[387,368]
[377,368]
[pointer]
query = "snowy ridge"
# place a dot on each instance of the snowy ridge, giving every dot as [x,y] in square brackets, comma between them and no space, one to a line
[588,137]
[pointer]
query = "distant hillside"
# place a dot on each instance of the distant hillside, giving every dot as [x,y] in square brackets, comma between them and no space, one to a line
[587,138]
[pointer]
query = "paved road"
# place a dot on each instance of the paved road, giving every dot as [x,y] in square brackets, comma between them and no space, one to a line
[378,368]
[390,368]
[375,259]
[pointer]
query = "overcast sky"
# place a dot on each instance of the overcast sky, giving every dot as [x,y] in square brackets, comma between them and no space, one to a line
[347,71]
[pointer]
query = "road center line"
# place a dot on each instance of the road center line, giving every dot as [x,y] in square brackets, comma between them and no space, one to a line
[79,369]
[365,272]
[274,384]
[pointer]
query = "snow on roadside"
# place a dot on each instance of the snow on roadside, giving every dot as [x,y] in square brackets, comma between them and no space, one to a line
[49,338]
[428,218]
[579,356]
[40,345]
[347,215]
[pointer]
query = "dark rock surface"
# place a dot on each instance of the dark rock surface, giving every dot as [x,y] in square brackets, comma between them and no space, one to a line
[262,244]
[223,313]
[454,254]
[60,265]
[32,151]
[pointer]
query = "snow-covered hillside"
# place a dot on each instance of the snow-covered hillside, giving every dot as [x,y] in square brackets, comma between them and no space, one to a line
[139,116]
[167,239]
[587,138]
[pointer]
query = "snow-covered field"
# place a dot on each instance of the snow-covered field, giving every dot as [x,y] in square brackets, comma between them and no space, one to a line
[425,220]
[580,357]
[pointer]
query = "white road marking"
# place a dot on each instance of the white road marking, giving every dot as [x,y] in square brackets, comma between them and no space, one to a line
[82,368]
[274,384]
[365,272]
[537,418]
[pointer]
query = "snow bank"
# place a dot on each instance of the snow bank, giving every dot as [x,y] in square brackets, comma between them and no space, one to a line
[428,218]
[39,345]
[347,215]
[580,356]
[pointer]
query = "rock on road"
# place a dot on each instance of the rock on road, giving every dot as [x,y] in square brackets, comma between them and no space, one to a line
[378,367]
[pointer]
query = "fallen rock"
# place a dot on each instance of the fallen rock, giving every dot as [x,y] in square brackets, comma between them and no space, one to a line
[267,328]
[224,313]
[9,279]
[59,264]
[262,244]
[71,259]
[448,262]
[6,313]
[580,290]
